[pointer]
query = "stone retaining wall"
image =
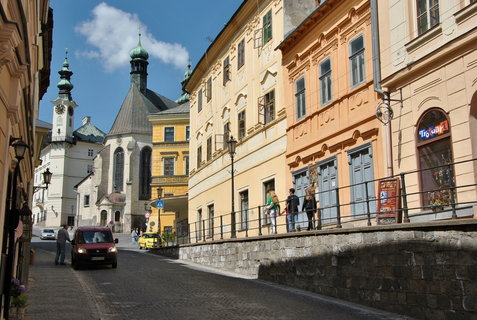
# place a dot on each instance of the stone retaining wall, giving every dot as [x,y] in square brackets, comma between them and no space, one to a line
[427,271]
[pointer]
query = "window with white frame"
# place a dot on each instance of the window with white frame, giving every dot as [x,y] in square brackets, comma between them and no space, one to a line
[199,100]
[226,71]
[356,60]
[241,124]
[168,166]
[89,168]
[269,106]
[186,166]
[241,54]
[168,134]
[300,98]
[226,135]
[209,148]
[267,27]
[325,81]
[427,15]
[86,200]
[199,156]
[187,133]
[90,152]
[210,209]
[244,210]
[208,89]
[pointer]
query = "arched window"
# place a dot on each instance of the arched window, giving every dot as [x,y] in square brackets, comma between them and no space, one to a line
[104,218]
[117,216]
[118,170]
[434,148]
[145,174]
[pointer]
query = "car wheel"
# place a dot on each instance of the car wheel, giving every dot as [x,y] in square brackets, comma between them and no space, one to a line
[114,265]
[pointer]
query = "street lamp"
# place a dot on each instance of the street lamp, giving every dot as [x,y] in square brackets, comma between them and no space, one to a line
[46,180]
[232,143]
[13,218]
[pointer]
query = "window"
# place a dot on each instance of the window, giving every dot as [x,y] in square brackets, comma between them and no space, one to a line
[187,134]
[356,59]
[117,216]
[86,200]
[210,209]
[199,156]
[209,149]
[435,153]
[208,89]
[226,135]
[269,107]
[241,54]
[199,100]
[186,163]
[244,210]
[90,152]
[427,15]
[118,169]
[169,134]
[325,81]
[226,70]
[169,166]
[300,98]
[145,176]
[198,225]
[241,124]
[104,218]
[89,168]
[267,27]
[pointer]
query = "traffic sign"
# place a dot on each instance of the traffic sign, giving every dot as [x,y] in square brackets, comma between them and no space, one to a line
[147,215]
[159,204]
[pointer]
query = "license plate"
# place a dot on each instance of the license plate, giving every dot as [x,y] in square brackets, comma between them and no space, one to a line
[97,258]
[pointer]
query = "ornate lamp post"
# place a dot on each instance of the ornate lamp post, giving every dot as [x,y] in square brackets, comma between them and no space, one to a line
[232,143]
[46,180]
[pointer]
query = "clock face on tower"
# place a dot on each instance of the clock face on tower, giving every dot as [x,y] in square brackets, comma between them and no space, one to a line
[70,111]
[60,109]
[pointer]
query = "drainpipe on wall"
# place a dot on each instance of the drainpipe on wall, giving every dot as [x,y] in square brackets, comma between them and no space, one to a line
[377,82]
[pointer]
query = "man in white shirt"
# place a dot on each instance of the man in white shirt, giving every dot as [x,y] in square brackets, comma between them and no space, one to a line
[61,239]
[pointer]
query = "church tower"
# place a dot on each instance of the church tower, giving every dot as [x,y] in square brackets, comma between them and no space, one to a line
[64,107]
[139,64]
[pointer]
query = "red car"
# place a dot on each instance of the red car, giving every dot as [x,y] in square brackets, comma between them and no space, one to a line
[94,246]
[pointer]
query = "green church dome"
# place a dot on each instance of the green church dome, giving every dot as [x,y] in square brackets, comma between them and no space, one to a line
[139,52]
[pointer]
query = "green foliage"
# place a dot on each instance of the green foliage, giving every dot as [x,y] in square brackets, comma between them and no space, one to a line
[20,301]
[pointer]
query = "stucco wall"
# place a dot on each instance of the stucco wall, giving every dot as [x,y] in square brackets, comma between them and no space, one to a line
[423,270]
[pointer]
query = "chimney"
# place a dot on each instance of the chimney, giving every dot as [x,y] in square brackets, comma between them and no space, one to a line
[86,120]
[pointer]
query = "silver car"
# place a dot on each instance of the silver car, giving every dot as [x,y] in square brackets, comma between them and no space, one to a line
[47,234]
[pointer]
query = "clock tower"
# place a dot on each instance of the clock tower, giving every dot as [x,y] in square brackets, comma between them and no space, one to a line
[64,107]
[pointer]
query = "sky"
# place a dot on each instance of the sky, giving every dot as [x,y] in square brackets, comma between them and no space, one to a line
[100,34]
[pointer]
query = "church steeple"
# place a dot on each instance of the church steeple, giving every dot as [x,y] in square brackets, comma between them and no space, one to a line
[139,64]
[64,106]
[64,84]
[185,96]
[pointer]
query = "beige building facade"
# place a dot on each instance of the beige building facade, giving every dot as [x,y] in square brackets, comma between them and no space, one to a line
[334,139]
[429,62]
[236,91]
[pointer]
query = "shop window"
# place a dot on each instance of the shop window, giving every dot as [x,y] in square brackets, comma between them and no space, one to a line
[435,156]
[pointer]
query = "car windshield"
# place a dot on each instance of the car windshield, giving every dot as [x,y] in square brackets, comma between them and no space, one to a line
[48,231]
[150,235]
[95,237]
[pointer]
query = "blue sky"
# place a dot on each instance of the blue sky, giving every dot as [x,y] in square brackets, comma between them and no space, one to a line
[99,35]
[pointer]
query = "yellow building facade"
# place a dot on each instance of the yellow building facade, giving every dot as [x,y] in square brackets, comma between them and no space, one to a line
[334,139]
[429,62]
[236,91]
[170,170]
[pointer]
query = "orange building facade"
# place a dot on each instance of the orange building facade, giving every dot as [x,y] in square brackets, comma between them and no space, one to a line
[334,139]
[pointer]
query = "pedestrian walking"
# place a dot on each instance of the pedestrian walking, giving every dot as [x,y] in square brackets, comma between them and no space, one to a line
[292,206]
[61,239]
[273,207]
[133,236]
[309,206]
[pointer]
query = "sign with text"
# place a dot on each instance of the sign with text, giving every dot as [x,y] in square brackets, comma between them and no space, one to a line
[159,204]
[389,199]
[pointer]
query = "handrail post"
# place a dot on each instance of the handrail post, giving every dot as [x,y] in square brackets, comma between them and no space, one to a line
[405,209]
[221,227]
[338,208]
[452,195]
[367,203]
[259,221]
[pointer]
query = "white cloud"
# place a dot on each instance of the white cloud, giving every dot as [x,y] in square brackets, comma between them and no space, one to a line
[114,33]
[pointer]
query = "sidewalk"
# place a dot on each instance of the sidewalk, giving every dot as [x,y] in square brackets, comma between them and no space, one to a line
[55,292]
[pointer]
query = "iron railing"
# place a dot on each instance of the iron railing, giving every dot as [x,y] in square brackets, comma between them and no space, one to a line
[357,205]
